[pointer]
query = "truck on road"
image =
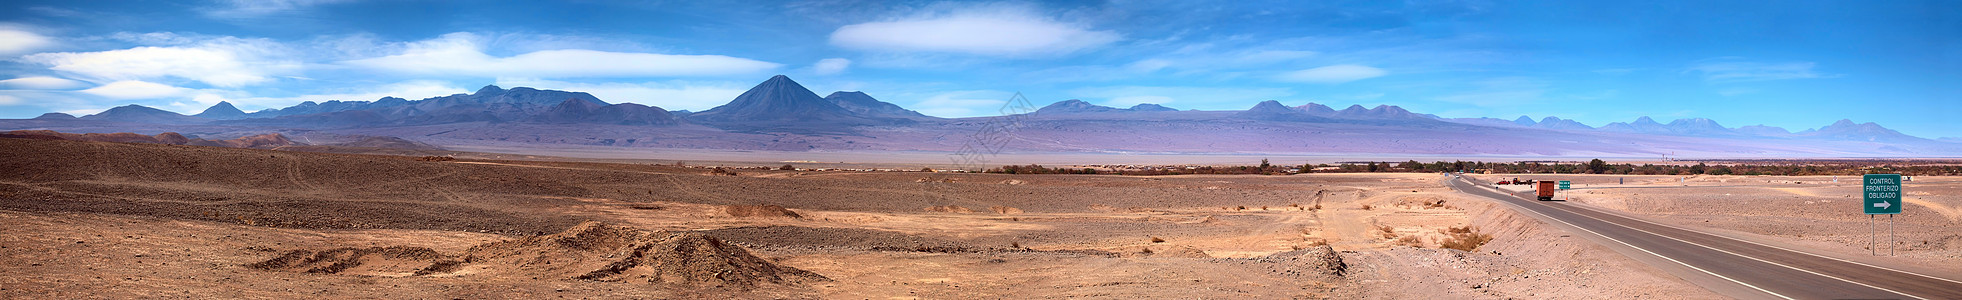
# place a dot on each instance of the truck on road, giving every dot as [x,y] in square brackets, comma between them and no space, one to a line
[1546,188]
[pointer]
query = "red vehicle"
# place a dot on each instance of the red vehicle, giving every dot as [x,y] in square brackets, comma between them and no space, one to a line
[1546,189]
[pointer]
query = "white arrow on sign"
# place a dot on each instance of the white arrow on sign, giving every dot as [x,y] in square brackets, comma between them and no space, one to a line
[1882,204]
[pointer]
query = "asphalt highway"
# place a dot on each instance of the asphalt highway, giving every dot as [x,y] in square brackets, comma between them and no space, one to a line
[1775,272]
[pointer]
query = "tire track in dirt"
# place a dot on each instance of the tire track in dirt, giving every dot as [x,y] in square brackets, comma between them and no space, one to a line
[293,174]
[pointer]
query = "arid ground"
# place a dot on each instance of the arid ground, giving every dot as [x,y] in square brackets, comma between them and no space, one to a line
[112,220]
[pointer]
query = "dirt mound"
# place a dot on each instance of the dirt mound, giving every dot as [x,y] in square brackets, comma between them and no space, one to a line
[594,251]
[1005,210]
[589,251]
[372,261]
[1322,260]
[950,209]
[826,237]
[768,211]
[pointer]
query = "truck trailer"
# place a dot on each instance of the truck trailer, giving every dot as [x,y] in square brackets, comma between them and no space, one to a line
[1546,189]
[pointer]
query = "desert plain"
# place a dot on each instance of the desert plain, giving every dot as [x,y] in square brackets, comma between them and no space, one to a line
[117,220]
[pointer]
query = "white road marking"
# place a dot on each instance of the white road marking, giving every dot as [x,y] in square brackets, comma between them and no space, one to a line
[1640,248]
[1753,258]
[1780,248]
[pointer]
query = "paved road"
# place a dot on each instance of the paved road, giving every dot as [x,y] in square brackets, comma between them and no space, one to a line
[1766,271]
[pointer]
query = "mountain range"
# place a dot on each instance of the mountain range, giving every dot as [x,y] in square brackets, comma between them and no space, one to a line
[780,114]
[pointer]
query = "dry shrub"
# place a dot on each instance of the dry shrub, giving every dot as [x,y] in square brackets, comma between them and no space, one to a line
[950,209]
[1465,238]
[1005,210]
[1387,232]
[1367,207]
[1410,240]
[1157,240]
[436,158]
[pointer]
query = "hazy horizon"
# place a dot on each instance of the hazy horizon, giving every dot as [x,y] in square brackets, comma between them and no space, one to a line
[1796,66]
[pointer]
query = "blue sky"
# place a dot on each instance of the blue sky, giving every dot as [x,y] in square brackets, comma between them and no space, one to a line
[1793,64]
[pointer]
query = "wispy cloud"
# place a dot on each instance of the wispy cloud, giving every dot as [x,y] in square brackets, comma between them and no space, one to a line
[989,30]
[18,41]
[221,61]
[460,54]
[136,89]
[1334,74]
[831,66]
[234,9]
[41,83]
[1734,70]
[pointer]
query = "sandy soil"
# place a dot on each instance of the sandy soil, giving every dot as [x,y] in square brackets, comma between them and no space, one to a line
[85,219]
[1812,213]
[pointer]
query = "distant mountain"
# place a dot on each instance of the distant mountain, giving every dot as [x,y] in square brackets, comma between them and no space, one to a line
[576,111]
[310,107]
[222,111]
[780,104]
[1381,112]
[1641,125]
[1561,124]
[1950,139]
[1762,130]
[1698,127]
[1145,107]
[262,141]
[1074,106]
[142,114]
[1316,109]
[1271,110]
[1524,121]
[55,116]
[1846,130]
[864,105]
[1488,122]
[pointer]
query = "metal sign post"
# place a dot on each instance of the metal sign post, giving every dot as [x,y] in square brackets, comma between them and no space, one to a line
[1564,186]
[1883,197]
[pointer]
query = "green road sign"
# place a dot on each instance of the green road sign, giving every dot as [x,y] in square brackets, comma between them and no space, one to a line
[1883,193]
[1566,185]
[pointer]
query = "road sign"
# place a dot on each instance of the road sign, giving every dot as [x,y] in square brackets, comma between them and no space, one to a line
[1883,194]
[1566,185]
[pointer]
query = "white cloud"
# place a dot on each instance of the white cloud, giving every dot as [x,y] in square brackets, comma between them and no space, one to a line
[1334,74]
[9,100]
[16,41]
[135,89]
[460,54]
[1732,70]
[991,32]
[224,62]
[672,95]
[41,83]
[831,66]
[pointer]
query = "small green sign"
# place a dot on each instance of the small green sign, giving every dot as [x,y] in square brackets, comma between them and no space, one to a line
[1566,185]
[1883,194]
